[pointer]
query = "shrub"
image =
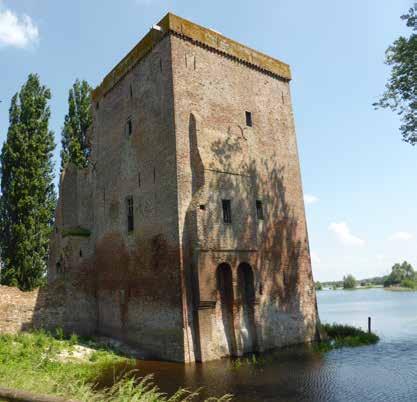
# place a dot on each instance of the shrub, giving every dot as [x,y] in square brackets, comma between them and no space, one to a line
[409,283]
[345,336]
[349,282]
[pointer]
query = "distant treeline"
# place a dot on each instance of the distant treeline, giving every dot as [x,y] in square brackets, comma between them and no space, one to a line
[374,281]
[402,275]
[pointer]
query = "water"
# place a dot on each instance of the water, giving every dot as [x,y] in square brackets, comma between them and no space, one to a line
[383,372]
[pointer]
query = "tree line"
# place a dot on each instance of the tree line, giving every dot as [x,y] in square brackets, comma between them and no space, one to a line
[28,196]
[401,275]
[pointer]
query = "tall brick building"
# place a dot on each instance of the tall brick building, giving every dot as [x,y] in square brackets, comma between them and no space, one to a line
[186,236]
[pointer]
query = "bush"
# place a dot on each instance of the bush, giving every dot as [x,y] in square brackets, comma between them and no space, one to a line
[345,336]
[349,282]
[409,283]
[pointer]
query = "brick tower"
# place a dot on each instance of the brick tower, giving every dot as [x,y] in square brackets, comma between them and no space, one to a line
[186,235]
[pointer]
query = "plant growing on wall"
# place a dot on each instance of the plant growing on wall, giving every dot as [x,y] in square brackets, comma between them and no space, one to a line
[28,196]
[75,144]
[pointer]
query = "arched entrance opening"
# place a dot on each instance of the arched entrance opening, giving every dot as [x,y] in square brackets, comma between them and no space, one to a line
[225,297]
[246,286]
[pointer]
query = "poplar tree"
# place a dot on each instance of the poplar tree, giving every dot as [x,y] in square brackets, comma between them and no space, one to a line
[28,195]
[75,144]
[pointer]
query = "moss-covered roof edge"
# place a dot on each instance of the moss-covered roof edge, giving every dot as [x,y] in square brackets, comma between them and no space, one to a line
[201,36]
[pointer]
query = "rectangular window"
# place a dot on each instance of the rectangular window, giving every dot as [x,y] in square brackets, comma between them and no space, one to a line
[129,127]
[249,119]
[259,210]
[227,211]
[129,206]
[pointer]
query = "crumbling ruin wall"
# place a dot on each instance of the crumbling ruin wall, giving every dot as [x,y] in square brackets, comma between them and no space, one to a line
[22,311]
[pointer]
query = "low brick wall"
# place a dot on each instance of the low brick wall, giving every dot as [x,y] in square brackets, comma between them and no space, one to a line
[59,304]
[41,308]
[16,309]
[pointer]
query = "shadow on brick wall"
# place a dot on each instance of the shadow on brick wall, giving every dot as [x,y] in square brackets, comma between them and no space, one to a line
[283,268]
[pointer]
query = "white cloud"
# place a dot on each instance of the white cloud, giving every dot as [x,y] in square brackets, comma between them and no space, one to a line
[402,236]
[310,199]
[315,259]
[17,31]
[342,232]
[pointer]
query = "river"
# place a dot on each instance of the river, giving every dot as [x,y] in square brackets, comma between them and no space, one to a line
[383,372]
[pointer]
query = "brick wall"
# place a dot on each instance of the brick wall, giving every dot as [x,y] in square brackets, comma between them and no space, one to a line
[41,308]
[220,157]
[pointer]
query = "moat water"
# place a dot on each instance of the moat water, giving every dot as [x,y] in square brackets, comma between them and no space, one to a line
[383,372]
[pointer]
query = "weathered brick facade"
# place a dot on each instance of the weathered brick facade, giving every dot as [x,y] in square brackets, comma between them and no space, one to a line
[187,120]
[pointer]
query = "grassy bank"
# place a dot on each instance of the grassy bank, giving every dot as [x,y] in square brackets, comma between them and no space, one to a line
[339,336]
[45,364]
[400,289]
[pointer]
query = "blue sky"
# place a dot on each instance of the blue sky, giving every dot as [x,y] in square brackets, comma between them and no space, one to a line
[358,176]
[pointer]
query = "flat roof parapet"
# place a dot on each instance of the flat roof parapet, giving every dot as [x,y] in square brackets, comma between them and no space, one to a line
[171,24]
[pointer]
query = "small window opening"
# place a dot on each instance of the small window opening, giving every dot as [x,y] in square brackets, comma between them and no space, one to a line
[227,211]
[282,97]
[202,207]
[154,175]
[58,267]
[129,127]
[81,253]
[130,221]
[139,181]
[122,296]
[249,122]
[97,105]
[131,91]
[259,210]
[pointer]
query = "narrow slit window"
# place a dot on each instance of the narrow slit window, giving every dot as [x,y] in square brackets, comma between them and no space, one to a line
[227,211]
[249,122]
[129,126]
[259,210]
[130,217]
[131,91]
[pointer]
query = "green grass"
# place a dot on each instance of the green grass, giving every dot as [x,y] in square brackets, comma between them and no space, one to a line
[252,360]
[29,361]
[340,336]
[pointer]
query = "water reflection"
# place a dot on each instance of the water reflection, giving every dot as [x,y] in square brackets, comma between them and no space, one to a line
[383,372]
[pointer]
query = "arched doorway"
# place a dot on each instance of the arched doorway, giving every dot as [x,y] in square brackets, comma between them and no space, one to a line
[225,296]
[247,298]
